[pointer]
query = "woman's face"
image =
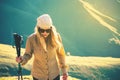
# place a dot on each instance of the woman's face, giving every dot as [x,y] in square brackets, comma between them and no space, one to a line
[44,32]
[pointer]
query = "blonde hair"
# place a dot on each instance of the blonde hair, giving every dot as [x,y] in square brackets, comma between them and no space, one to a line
[53,39]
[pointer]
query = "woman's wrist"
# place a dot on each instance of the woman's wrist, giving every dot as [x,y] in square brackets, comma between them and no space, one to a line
[65,76]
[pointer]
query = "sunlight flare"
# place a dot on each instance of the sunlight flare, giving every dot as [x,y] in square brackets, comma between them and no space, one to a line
[100,18]
[115,39]
[88,6]
[118,1]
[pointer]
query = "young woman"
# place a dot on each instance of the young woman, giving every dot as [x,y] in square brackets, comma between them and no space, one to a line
[46,46]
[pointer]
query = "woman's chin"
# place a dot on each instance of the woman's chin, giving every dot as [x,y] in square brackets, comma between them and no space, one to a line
[45,36]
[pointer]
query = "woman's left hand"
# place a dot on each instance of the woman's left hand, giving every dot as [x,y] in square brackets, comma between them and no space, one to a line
[65,76]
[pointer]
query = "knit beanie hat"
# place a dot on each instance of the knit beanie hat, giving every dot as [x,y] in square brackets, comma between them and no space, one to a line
[44,21]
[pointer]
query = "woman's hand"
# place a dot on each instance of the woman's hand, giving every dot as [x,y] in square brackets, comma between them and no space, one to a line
[65,76]
[19,59]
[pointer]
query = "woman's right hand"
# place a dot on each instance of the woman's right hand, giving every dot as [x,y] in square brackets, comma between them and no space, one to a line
[19,59]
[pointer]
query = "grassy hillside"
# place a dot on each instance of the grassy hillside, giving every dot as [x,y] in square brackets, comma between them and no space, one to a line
[80,68]
[94,68]
[8,65]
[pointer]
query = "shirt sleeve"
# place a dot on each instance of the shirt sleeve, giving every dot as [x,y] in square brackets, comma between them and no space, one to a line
[28,52]
[62,57]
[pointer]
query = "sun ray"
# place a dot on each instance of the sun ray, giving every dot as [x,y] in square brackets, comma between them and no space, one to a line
[86,4]
[101,21]
[98,16]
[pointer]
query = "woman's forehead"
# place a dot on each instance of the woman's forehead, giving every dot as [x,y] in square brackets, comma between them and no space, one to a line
[44,27]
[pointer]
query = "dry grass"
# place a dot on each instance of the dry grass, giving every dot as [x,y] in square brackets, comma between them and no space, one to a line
[29,78]
[93,61]
[80,68]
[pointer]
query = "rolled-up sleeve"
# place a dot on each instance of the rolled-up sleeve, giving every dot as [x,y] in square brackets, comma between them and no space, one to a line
[62,57]
[62,60]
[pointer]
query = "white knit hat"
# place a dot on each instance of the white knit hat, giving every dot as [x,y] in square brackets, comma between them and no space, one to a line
[44,21]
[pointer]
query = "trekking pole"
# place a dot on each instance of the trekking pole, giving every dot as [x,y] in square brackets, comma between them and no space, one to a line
[18,41]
